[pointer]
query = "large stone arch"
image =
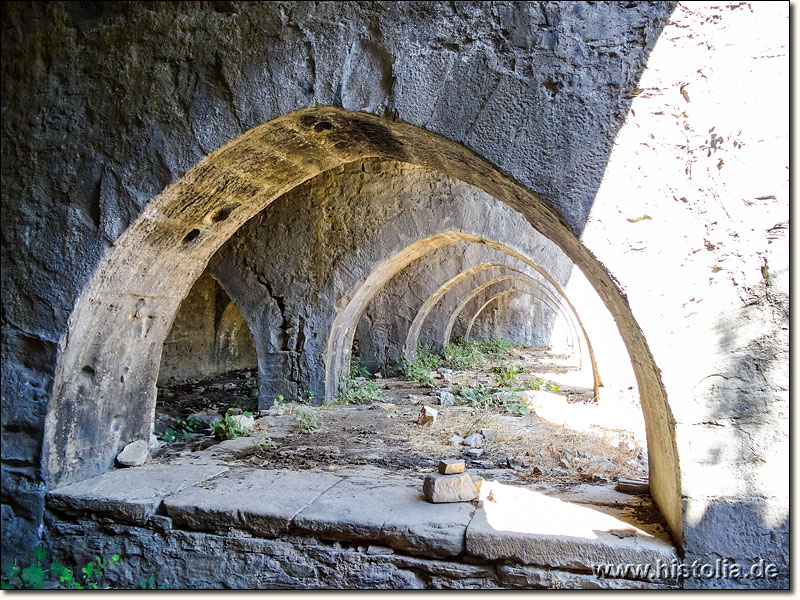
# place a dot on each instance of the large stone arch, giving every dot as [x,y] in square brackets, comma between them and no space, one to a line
[541,93]
[295,267]
[539,297]
[114,339]
[416,327]
[531,312]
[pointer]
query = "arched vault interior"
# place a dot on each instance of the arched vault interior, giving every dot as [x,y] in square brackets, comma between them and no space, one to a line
[104,390]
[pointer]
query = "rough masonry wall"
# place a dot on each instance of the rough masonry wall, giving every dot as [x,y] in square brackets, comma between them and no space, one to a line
[292,269]
[480,295]
[517,318]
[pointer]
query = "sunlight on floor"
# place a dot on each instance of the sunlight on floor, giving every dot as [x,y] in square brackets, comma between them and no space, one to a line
[525,511]
[610,413]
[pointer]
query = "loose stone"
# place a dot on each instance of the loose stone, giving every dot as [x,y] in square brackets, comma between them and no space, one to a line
[449,488]
[133,455]
[451,466]
[427,415]
[474,440]
[446,399]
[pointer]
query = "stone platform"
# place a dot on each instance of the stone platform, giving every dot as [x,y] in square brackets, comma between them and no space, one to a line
[356,527]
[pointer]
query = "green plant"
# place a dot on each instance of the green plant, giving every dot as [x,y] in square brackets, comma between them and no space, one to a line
[463,354]
[228,428]
[150,584]
[504,376]
[516,406]
[358,368]
[263,442]
[391,368]
[428,359]
[496,347]
[308,421]
[477,396]
[178,431]
[420,369]
[360,391]
[35,576]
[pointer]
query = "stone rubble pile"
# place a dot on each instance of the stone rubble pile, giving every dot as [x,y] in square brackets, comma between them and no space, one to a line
[451,483]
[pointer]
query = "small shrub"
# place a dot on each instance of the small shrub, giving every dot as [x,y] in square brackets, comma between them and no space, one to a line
[463,354]
[504,376]
[477,396]
[496,347]
[308,421]
[228,428]
[178,431]
[360,391]
[36,575]
[516,406]
[358,368]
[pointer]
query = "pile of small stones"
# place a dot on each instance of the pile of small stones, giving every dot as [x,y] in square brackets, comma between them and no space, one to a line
[451,483]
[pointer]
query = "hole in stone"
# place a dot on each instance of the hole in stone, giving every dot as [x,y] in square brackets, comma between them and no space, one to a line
[88,371]
[322,126]
[220,215]
[191,236]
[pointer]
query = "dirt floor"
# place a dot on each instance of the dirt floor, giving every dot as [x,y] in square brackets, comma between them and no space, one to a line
[556,433]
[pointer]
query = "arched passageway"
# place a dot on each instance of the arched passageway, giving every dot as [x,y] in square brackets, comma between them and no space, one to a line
[103,394]
[539,299]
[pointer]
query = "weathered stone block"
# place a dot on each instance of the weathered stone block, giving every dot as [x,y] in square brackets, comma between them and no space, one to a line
[450,467]
[449,488]
[134,454]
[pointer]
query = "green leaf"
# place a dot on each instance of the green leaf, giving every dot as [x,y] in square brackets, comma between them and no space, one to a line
[12,570]
[39,554]
[33,577]
[115,559]
[7,585]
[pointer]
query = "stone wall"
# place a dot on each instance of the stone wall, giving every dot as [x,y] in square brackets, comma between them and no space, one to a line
[208,337]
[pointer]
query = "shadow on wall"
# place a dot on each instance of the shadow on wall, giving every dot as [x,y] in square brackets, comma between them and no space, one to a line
[743,445]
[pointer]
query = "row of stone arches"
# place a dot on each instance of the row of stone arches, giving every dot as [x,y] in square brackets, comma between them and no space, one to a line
[122,317]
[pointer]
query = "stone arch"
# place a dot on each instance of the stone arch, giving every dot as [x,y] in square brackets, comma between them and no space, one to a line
[383,328]
[412,338]
[342,331]
[539,298]
[295,266]
[103,394]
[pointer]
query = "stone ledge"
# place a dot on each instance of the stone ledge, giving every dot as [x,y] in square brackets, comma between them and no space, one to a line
[390,512]
[264,502]
[528,527]
[132,494]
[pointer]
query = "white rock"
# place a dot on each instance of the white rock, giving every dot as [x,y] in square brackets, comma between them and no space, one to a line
[489,434]
[229,387]
[154,443]
[456,440]
[244,422]
[446,399]
[474,440]
[134,454]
